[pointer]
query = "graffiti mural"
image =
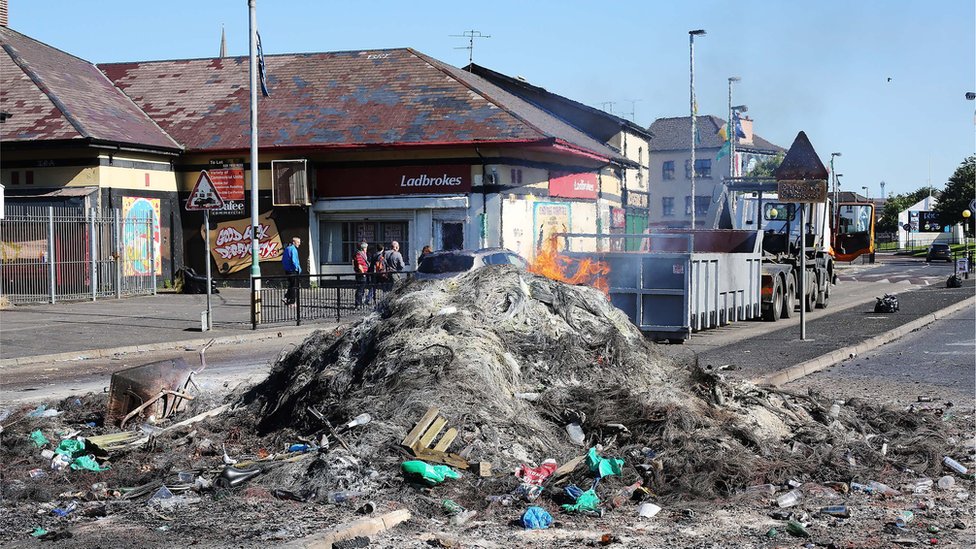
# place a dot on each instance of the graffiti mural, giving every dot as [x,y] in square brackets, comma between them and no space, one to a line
[140,225]
[230,243]
[550,218]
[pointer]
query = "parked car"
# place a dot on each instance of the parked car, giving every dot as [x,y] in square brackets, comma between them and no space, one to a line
[454,262]
[938,251]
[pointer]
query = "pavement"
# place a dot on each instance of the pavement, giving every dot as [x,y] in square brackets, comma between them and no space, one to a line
[44,334]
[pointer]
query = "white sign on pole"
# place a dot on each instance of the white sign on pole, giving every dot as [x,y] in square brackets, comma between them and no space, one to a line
[204,195]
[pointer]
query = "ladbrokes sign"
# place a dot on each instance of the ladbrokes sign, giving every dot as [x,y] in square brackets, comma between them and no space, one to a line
[573,185]
[343,182]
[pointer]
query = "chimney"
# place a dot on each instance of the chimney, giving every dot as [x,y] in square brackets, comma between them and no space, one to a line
[3,13]
[746,124]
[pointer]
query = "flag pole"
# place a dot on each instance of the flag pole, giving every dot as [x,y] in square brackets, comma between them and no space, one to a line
[253,73]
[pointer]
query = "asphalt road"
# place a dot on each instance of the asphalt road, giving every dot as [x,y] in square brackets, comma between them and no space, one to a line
[936,362]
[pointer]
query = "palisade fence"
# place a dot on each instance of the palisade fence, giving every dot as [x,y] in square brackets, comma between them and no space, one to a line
[50,254]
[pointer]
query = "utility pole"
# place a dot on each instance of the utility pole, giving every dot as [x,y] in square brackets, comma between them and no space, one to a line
[255,244]
[470,35]
[694,114]
[731,129]
[833,175]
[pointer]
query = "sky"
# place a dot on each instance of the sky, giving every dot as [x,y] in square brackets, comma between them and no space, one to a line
[883,82]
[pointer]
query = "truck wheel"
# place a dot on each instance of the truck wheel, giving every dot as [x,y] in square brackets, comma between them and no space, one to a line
[789,298]
[810,301]
[823,298]
[771,312]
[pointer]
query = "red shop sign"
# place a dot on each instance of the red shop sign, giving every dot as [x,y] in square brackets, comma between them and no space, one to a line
[618,218]
[385,181]
[573,185]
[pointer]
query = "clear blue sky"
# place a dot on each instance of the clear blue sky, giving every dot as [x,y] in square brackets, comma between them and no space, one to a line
[818,66]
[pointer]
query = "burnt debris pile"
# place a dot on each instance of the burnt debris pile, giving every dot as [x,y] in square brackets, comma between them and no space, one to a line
[516,362]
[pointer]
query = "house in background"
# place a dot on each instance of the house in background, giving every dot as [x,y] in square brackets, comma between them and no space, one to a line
[375,146]
[72,140]
[670,166]
[630,187]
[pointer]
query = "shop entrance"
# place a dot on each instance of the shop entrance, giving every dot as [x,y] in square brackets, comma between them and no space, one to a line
[451,235]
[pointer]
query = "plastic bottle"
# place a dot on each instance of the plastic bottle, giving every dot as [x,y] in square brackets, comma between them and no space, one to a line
[762,489]
[835,409]
[797,529]
[462,517]
[576,433]
[954,465]
[361,419]
[882,488]
[342,496]
[789,499]
[505,500]
[840,511]
[946,482]
[451,507]
[922,485]
[624,495]
[904,517]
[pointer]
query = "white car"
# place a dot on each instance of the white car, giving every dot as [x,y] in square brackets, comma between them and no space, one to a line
[454,262]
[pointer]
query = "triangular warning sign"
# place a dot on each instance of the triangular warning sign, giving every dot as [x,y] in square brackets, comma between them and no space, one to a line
[204,195]
[801,162]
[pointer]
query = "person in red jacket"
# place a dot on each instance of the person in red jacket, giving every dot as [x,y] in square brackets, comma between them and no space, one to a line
[360,264]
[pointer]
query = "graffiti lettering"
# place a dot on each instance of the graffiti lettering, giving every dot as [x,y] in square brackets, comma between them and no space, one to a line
[230,234]
[240,250]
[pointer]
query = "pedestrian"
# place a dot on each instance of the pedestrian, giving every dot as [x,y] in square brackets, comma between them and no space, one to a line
[394,262]
[424,252]
[360,265]
[293,268]
[377,270]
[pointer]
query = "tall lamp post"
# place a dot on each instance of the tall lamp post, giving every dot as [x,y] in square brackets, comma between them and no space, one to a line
[833,174]
[965,225]
[867,195]
[694,114]
[731,128]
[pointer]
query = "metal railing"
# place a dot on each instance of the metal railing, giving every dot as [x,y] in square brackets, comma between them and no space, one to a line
[50,254]
[317,297]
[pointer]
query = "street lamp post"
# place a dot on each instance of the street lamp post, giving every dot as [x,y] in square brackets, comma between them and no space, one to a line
[694,114]
[867,195]
[836,190]
[965,225]
[731,129]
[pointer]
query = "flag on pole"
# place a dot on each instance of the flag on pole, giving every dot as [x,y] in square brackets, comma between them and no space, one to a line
[738,125]
[723,133]
[261,69]
[723,151]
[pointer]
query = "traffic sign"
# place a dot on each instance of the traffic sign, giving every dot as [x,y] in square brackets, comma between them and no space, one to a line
[204,195]
[972,206]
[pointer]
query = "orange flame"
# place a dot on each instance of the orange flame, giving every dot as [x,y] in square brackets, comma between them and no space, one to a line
[552,264]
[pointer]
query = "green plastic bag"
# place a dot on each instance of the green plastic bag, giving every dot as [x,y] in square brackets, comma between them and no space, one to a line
[431,475]
[603,467]
[588,501]
[71,448]
[38,438]
[88,463]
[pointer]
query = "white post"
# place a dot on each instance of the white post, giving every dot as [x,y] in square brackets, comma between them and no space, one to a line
[691,46]
[93,279]
[50,253]
[119,252]
[206,223]
[152,251]
[255,244]
[803,273]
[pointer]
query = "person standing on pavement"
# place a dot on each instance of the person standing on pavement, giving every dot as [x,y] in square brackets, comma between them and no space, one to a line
[360,265]
[377,271]
[394,262]
[293,268]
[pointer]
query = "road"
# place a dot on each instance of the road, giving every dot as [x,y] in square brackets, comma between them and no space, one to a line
[936,361]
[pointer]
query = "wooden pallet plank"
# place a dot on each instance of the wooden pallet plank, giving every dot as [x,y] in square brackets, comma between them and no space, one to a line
[432,432]
[414,435]
[446,440]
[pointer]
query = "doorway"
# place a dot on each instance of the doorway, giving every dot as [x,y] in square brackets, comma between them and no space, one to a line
[451,235]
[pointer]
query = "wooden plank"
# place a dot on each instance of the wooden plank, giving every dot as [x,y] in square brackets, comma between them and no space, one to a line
[568,467]
[446,440]
[414,435]
[432,432]
[364,527]
[453,460]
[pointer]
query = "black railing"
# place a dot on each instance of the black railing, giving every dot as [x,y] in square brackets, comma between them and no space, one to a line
[317,297]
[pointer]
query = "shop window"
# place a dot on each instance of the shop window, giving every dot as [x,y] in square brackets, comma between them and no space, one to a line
[339,240]
[667,206]
[289,183]
[15,178]
[667,170]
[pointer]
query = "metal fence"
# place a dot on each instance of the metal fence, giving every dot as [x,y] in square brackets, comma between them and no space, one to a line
[50,254]
[317,297]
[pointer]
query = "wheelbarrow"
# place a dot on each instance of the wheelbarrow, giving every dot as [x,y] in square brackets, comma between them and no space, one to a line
[157,389]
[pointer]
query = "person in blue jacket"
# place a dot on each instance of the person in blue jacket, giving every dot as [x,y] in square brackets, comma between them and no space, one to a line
[289,261]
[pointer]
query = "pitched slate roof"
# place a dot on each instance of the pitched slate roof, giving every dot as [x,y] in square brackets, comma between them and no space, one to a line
[52,95]
[338,100]
[585,117]
[674,134]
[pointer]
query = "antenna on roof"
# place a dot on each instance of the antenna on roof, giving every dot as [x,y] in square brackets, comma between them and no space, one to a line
[470,35]
[608,106]
[633,109]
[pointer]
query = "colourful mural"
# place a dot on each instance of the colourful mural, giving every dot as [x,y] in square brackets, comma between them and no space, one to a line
[230,243]
[140,218]
[550,218]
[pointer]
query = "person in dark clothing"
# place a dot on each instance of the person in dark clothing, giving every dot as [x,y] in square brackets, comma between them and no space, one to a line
[377,269]
[424,252]
[293,268]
